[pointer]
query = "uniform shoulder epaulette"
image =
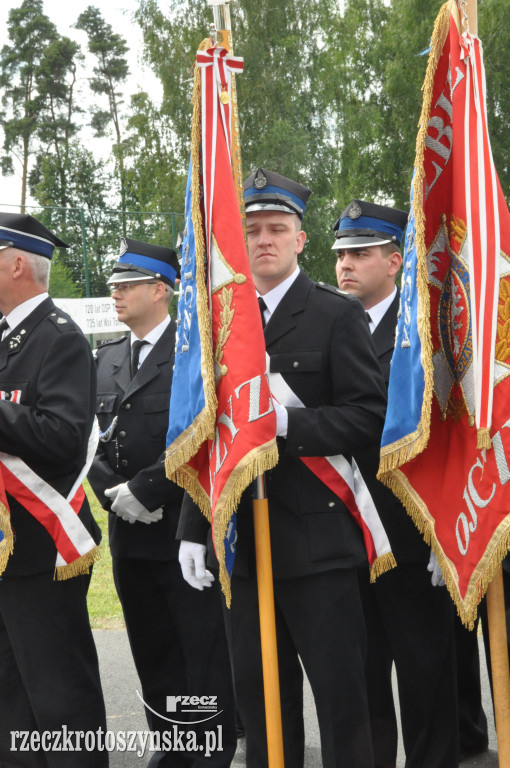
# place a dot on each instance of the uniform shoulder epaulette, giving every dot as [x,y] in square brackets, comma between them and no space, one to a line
[336,291]
[61,320]
[109,342]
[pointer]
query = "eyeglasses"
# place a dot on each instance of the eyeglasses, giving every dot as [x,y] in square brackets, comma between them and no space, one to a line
[126,287]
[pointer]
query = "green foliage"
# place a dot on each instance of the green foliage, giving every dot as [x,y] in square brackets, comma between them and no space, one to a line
[283,105]
[29,32]
[110,72]
[105,610]
[62,285]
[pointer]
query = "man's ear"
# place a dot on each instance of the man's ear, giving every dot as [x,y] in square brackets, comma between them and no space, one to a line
[300,241]
[394,262]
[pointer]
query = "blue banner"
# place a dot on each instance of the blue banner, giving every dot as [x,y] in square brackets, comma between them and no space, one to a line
[407,379]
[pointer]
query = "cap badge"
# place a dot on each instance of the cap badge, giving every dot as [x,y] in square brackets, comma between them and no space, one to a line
[260,181]
[354,211]
[123,246]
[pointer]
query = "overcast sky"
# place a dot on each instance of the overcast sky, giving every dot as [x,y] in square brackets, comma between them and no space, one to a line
[119,14]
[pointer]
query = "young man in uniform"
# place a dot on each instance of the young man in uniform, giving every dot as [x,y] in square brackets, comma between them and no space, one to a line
[409,616]
[162,613]
[318,343]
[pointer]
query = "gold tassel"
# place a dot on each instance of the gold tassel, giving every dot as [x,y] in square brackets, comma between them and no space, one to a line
[77,567]
[382,565]
[7,543]
[483,439]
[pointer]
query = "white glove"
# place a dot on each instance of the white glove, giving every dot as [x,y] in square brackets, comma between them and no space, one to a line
[282,419]
[127,506]
[192,560]
[433,568]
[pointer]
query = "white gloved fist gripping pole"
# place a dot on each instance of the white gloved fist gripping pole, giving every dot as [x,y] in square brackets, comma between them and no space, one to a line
[433,568]
[192,560]
[127,506]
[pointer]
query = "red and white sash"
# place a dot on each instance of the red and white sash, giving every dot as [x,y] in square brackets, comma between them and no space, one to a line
[346,481]
[76,549]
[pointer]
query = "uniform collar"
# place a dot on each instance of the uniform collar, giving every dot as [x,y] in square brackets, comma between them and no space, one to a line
[273,297]
[378,311]
[22,311]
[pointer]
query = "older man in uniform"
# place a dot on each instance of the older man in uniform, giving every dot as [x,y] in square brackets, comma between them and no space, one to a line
[162,613]
[318,341]
[49,676]
[409,616]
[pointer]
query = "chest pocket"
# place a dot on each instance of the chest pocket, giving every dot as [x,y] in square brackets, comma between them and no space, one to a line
[303,361]
[155,409]
[105,402]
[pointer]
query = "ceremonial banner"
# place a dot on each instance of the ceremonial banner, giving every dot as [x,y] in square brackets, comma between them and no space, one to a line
[446,442]
[222,425]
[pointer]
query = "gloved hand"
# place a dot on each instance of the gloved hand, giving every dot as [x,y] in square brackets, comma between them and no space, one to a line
[192,560]
[433,568]
[282,418]
[127,506]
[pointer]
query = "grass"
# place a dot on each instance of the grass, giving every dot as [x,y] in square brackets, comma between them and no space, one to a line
[104,607]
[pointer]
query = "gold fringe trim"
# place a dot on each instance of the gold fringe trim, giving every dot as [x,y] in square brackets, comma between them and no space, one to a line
[405,449]
[188,442]
[7,543]
[483,439]
[254,464]
[381,565]
[496,551]
[78,567]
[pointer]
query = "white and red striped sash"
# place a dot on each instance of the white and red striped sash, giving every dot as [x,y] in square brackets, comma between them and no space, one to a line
[345,480]
[76,549]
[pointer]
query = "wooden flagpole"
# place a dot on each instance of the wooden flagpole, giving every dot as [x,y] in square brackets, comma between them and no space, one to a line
[495,595]
[260,505]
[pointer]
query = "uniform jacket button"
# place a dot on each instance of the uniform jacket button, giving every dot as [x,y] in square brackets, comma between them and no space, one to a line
[331,504]
[124,462]
[122,434]
[295,364]
[127,406]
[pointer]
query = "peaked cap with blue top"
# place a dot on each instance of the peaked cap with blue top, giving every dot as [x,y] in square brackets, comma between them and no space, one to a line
[268,191]
[365,224]
[143,261]
[20,230]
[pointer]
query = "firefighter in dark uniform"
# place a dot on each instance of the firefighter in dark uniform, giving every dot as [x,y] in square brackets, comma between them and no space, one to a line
[49,675]
[409,616]
[318,340]
[128,476]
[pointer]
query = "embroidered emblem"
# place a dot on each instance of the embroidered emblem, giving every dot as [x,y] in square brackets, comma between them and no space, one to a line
[448,276]
[15,342]
[260,180]
[354,211]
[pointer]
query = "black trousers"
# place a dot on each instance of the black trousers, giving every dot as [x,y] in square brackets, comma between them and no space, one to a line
[49,675]
[179,647]
[319,620]
[410,623]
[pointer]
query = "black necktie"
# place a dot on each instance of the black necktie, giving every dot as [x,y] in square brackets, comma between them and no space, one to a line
[262,307]
[368,317]
[135,355]
[4,326]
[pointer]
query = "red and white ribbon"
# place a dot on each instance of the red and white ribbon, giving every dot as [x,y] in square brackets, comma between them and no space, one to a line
[341,477]
[217,66]
[57,514]
[483,227]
